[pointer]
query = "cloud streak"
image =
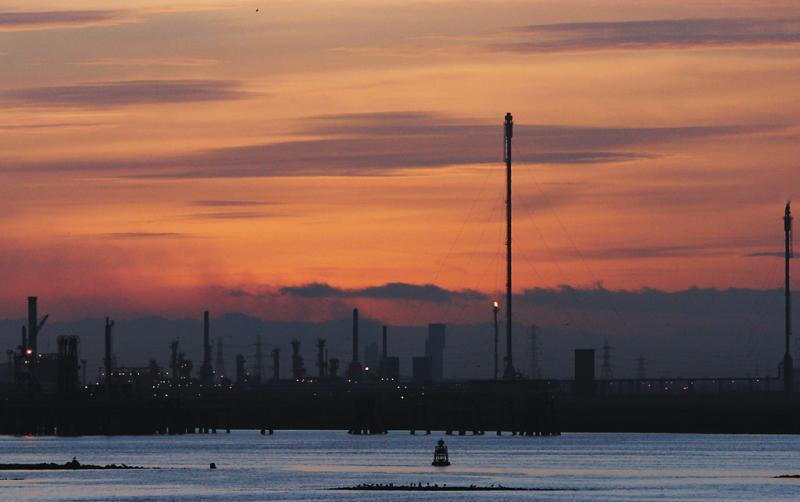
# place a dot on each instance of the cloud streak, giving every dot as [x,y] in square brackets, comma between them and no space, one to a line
[141,235]
[762,254]
[125,93]
[47,125]
[690,301]
[229,203]
[391,143]
[230,215]
[147,62]
[64,19]
[651,34]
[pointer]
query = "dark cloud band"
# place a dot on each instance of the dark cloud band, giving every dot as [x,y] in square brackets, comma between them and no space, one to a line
[142,235]
[124,93]
[390,291]
[651,34]
[388,144]
[14,21]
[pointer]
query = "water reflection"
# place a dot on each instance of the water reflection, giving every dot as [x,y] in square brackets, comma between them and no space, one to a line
[304,464]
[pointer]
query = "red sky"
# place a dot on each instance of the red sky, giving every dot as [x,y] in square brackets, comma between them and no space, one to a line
[158,157]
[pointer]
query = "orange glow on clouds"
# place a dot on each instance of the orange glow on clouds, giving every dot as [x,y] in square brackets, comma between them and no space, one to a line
[169,154]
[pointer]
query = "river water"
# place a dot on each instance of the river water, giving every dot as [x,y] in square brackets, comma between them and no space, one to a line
[304,465]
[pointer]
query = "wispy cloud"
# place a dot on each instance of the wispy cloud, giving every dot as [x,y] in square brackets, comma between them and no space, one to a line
[689,301]
[650,34]
[230,209]
[62,19]
[551,135]
[662,251]
[150,62]
[629,251]
[391,143]
[230,215]
[387,143]
[46,125]
[126,92]
[229,203]
[142,235]
[772,254]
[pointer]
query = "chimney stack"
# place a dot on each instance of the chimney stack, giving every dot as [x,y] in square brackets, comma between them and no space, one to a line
[206,373]
[321,358]
[355,335]
[32,321]
[107,359]
[206,341]
[355,364]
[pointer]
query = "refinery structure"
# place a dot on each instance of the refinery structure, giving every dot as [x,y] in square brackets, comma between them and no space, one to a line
[364,392]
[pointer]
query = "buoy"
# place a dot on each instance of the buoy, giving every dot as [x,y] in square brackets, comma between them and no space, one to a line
[440,457]
[212,465]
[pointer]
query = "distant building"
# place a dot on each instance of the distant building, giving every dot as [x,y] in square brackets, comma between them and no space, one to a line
[434,349]
[390,368]
[421,369]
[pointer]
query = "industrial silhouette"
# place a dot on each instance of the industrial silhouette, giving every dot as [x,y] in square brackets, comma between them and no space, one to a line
[45,396]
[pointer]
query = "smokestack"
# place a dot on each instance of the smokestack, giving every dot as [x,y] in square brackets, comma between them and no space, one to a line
[385,348]
[206,373]
[321,357]
[355,335]
[355,365]
[32,321]
[107,359]
[206,341]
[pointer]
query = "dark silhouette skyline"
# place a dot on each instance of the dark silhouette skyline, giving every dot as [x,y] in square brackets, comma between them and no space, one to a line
[672,331]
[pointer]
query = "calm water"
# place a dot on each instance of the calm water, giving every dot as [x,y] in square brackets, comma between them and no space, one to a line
[301,465]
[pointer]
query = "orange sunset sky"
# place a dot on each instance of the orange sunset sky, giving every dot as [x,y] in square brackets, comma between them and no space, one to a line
[161,157]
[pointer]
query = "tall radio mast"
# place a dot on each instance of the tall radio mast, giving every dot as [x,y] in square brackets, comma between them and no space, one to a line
[509,372]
